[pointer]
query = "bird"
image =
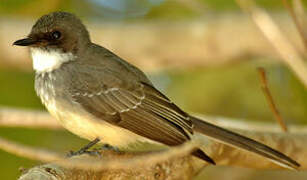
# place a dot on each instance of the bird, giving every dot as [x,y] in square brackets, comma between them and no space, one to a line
[98,96]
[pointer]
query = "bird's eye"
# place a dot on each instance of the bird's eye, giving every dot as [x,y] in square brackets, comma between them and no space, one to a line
[56,35]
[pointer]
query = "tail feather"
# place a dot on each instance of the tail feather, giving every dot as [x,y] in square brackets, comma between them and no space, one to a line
[236,140]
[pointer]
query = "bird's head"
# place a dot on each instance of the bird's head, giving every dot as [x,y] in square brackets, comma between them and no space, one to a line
[55,38]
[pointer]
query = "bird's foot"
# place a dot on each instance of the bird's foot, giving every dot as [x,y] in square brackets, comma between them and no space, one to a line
[108,147]
[78,153]
[85,149]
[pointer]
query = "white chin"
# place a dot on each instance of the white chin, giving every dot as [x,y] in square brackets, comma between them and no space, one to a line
[49,60]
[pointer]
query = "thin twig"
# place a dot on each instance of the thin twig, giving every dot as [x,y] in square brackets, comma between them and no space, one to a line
[286,50]
[301,16]
[298,24]
[269,98]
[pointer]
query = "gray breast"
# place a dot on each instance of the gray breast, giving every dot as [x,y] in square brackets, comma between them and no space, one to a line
[50,86]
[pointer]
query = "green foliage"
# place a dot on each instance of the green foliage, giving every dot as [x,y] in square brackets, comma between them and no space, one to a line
[171,10]
[234,91]
[7,5]
[42,138]
[167,9]
[17,89]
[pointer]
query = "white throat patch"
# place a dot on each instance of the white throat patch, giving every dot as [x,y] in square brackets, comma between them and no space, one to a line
[47,61]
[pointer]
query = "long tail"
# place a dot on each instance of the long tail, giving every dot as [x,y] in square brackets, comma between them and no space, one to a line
[236,140]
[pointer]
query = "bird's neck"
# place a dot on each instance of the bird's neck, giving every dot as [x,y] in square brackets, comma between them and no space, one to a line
[47,60]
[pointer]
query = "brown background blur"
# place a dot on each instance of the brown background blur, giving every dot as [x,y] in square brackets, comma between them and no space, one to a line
[202,53]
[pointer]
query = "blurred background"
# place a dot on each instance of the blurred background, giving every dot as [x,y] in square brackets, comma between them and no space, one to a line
[203,54]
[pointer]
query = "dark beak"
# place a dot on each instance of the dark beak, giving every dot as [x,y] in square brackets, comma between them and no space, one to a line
[25,42]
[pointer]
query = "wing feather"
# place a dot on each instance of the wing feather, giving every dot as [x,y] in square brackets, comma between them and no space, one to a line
[141,110]
[125,97]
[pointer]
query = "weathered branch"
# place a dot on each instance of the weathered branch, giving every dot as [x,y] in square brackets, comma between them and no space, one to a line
[94,164]
[175,160]
[181,168]
[175,166]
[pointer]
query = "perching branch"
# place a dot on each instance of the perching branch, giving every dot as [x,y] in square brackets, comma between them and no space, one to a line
[92,164]
[175,161]
[181,168]
[293,144]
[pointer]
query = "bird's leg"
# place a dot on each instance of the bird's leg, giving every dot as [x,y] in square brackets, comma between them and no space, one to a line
[84,149]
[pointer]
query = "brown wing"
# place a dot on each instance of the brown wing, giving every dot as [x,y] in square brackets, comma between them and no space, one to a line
[119,93]
[141,109]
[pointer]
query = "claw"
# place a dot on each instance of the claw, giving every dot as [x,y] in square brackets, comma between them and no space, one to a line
[83,149]
[108,147]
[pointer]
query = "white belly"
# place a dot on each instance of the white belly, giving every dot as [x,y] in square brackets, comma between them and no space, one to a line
[87,126]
